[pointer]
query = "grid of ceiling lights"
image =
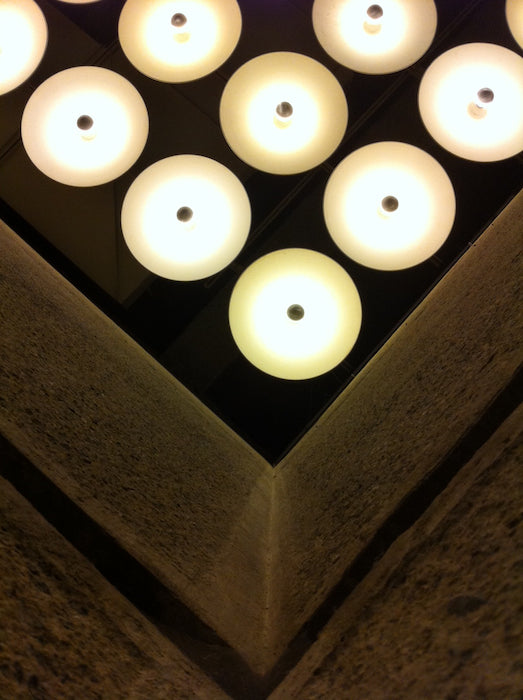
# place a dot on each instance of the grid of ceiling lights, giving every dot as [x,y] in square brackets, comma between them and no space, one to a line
[294,313]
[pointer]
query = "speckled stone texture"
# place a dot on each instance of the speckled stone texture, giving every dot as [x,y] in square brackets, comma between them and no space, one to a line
[252,552]
[441,616]
[411,404]
[66,633]
[131,446]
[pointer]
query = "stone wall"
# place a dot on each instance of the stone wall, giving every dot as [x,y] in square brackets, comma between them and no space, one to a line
[264,558]
[441,616]
[66,633]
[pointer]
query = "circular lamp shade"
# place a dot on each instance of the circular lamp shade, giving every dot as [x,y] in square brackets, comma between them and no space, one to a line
[471,101]
[84,126]
[283,113]
[179,40]
[186,217]
[375,38]
[295,313]
[514,12]
[23,39]
[389,205]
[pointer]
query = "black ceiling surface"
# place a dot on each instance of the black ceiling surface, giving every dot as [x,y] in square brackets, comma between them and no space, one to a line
[185,325]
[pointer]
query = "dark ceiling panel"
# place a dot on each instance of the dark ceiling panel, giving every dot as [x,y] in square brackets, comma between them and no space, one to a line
[185,325]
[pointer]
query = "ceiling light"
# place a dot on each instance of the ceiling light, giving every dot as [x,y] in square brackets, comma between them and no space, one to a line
[389,205]
[23,39]
[84,126]
[471,101]
[179,40]
[514,13]
[295,313]
[283,112]
[375,37]
[186,217]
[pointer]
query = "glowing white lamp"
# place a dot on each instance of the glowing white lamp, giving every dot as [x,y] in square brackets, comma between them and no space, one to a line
[283,112]
[295,313]
[179,40]
[471,101]
[375,37]
[514,13]
[84,126]
[186,217]
[389,205]
[23,40]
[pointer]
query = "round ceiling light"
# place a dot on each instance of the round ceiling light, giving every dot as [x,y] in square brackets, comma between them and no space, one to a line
[179,40]
[84,126]
[471,101]
[283,113]
[295,313]
[23,40]
[375,37]
[389,205]
[514,13]
[186,217]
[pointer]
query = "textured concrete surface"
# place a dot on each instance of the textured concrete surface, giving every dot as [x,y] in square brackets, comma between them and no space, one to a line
[441,616]
[66,633]
[191,500]
[130,445]
[393,424]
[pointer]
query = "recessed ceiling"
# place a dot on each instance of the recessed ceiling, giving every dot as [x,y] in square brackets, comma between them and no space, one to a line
[185,325]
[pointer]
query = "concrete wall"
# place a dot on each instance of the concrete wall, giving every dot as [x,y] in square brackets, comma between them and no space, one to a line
[397,420]
[66,633]
[255,552]
[130,445]
[441,616]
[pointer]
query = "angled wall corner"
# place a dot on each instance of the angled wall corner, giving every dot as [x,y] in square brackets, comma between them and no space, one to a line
[397,420]
[252,551]
[134,449]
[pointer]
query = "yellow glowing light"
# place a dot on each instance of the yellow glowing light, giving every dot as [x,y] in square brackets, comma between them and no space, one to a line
[455,116]
[179,40]
[295,313]
[389,39]
[384,233]
[63,150]
[514,13]
[186,217]
[265,139]
[23,40]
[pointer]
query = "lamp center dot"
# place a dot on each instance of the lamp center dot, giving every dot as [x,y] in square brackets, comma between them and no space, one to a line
[485,95]
[178,20]
[295,312]
[84,122]
[284,110]
[389,203]
[184,214]
[375,11]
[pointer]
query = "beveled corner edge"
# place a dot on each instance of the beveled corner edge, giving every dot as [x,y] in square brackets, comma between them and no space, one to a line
[255,550]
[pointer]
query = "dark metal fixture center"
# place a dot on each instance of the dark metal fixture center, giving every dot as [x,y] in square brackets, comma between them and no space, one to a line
[295,312]
[485,95]
[84,122]
[284,110]
[184,214]
[375,11]
[178,20]
[389,203]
